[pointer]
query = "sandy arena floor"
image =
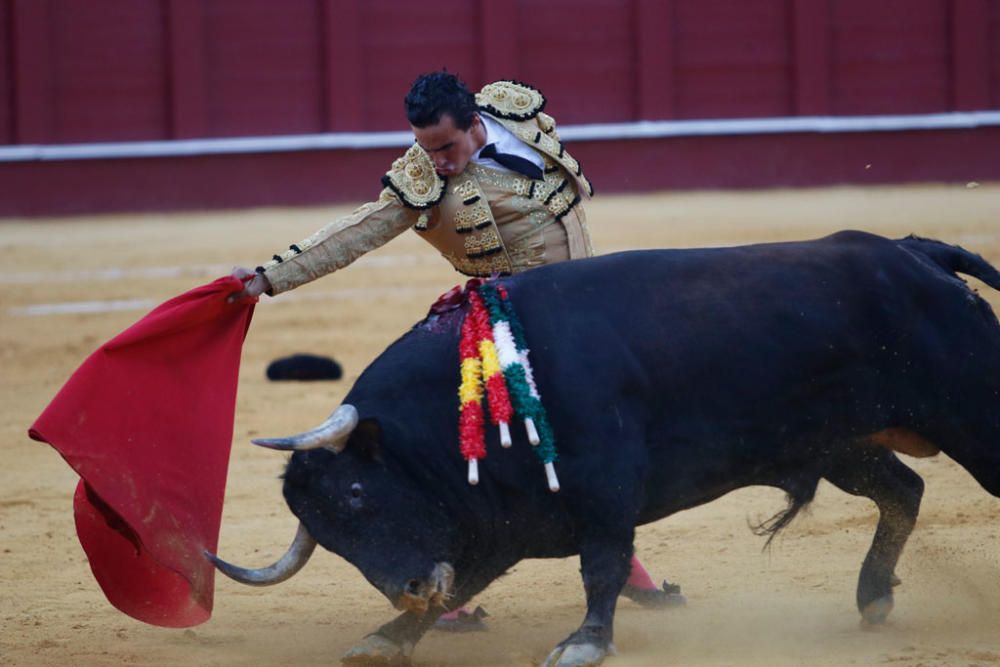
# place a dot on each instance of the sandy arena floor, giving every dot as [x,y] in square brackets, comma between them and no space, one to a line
[72,284]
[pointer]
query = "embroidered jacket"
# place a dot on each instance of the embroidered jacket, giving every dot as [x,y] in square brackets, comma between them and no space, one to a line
[483,221]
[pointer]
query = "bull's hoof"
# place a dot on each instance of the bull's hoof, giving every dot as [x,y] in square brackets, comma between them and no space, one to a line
[578,655]
[876,611]
[378,650]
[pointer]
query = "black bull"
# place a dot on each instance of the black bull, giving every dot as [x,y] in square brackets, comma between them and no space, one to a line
[671,377]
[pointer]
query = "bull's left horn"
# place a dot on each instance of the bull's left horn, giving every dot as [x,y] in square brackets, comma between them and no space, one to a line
[332,434]
[294,559]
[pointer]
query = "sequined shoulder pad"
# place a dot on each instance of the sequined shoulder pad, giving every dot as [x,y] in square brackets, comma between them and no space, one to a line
[414,179]
[512,100]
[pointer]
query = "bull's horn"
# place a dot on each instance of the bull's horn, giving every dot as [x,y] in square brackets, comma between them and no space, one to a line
[332,433]
[286,566]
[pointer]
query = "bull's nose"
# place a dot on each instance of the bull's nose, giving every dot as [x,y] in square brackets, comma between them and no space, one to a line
[418,594]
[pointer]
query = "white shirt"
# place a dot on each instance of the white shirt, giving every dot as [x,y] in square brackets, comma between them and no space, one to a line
[506,143]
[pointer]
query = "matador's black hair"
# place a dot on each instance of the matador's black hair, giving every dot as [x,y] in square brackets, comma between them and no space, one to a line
[438,93]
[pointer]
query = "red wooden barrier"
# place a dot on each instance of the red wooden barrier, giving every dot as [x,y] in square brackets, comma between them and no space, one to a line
[112,71]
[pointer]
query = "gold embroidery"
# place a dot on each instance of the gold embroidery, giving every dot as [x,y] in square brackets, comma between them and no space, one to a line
[472,217]
[507,181]
[483,243]
[414,179]
[523,187]
[549,145]
[507,99]
[474,212]
[547,123]
[539,140]
[466,189]
[557,193]
[481,267]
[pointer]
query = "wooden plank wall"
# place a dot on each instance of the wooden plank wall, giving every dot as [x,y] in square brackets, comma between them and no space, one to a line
[137,70]
[106,70]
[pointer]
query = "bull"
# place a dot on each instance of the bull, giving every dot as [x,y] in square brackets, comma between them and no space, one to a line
[671,377]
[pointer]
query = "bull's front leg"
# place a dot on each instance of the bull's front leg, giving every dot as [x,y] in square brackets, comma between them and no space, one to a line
[604,564]
[393,643]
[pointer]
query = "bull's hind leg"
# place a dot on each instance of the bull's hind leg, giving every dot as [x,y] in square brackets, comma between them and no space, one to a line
[877,474]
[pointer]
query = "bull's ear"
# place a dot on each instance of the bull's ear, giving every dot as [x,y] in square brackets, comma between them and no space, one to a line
[366,439]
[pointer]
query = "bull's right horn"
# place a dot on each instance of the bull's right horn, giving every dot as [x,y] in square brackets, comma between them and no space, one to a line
[332,434]
[294,559]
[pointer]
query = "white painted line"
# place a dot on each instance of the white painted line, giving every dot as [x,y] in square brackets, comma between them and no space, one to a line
[188,147]
[589,132]
[115,273]
[74,307]
[112,274]
[785,125]
[427,293]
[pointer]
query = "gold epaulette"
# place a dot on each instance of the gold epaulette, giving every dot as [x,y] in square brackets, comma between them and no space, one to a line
[414,179]
[547,124]
[512,100]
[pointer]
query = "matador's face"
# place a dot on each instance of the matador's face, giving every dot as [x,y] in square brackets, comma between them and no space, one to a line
[449,147]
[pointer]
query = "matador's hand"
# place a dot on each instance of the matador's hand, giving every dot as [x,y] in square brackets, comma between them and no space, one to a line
[254,284]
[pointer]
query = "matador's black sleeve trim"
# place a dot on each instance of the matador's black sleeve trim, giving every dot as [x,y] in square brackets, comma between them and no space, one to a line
[471,200]
[579,172]
[576,200]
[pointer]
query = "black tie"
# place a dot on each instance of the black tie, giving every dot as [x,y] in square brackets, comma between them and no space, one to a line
[512,162]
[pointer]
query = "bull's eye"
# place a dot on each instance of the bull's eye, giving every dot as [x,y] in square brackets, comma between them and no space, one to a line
[356,490]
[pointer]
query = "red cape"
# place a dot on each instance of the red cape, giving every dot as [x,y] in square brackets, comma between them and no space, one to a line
[147,422]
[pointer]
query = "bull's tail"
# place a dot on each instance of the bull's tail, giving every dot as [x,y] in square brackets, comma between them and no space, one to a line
[953,258]
[799,493]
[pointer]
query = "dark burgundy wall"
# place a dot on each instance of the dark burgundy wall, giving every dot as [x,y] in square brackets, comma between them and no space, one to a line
[317,177]
[987,42]
[6,81]
[262,70]
[890,56]
[107,70]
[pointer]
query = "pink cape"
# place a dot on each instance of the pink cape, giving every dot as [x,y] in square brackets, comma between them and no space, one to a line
[147,423]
